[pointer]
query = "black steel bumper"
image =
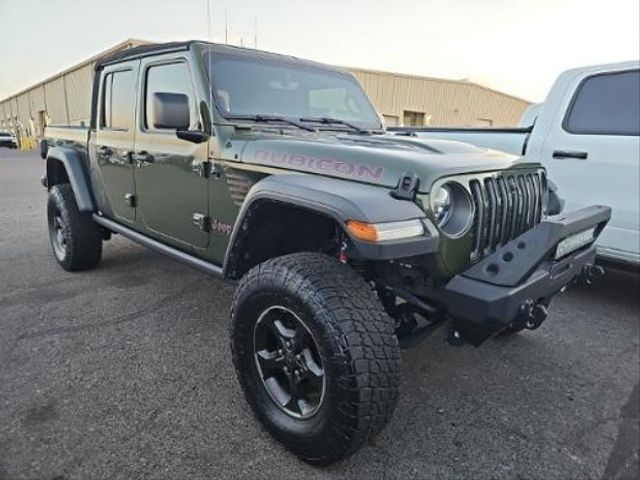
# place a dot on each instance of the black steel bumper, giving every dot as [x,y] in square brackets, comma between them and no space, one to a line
[515,283]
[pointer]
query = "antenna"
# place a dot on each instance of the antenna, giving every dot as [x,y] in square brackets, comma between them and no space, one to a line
[255,32]
[226,27]
[209,19]
[209,110]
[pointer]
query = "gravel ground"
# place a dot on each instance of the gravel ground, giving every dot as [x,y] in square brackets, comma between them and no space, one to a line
[125,372]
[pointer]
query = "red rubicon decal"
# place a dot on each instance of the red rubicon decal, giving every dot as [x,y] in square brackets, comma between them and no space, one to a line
[317,163]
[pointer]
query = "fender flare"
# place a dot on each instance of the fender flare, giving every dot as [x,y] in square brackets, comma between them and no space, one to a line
[75,167]
[340,200]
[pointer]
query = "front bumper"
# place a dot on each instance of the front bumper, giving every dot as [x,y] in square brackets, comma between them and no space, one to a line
[515,283]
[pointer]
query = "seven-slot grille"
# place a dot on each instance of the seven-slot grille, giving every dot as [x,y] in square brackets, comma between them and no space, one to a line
[506,205]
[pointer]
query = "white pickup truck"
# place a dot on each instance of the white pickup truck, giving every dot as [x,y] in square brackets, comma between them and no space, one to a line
[587,135]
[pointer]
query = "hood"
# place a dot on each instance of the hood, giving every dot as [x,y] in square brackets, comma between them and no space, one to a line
[374,159]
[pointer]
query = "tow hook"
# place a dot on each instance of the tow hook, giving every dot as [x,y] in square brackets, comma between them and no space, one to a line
[590,273]
[533,314]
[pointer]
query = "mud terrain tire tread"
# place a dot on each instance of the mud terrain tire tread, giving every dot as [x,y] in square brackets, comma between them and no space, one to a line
[83,236]
[358,340]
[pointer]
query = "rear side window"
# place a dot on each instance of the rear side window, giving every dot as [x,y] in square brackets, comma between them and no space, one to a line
[118,100]
[168,78]
[606,104]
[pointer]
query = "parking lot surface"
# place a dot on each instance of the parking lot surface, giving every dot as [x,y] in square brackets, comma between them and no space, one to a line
[125,372]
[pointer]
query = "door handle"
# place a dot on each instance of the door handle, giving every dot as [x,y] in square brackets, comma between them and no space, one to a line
[560,154]
[105,151]
[128,156]
[144,158]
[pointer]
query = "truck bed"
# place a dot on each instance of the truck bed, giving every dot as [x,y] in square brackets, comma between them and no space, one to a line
[76,136]
[510,140]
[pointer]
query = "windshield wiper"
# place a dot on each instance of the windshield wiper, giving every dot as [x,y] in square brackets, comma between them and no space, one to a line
[271,118]
[334,121]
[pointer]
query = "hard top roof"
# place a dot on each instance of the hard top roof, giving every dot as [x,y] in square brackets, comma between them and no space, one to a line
[158,48]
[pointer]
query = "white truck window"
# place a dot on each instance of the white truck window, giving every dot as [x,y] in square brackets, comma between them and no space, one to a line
[606,104]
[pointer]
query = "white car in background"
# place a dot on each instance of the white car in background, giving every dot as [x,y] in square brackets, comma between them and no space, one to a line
[587,135]
[8,139]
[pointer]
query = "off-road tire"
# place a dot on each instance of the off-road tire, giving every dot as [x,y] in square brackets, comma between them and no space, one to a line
[82,236]
[356,341]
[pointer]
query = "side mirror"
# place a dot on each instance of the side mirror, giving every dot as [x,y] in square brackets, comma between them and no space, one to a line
[44,148]
[170,111]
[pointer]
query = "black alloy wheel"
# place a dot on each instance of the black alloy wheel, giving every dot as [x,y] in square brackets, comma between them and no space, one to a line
[58,236]
[289,362]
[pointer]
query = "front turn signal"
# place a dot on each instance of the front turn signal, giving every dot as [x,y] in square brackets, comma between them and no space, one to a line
[379,232]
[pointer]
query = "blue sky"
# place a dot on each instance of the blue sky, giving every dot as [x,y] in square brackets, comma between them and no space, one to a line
[516,46]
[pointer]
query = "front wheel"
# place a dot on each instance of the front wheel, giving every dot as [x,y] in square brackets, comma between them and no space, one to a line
[315,354]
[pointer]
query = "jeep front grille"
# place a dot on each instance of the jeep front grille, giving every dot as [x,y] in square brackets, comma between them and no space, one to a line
[506,205]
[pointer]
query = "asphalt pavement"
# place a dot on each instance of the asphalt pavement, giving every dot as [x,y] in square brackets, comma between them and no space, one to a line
[125,372]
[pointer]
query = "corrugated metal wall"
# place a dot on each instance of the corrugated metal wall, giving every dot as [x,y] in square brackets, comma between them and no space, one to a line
[13,104]
[24,112]
[445,103]
[79,83]
[55,94]
[65,99]
[36,99]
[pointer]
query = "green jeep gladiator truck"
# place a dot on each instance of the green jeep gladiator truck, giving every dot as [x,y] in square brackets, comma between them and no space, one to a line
[345,242]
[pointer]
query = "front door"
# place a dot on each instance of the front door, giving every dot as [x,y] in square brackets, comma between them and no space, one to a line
[592,153]
[114,141]
[172,193]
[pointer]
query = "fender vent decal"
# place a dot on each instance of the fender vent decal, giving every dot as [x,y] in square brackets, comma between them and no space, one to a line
[239,185]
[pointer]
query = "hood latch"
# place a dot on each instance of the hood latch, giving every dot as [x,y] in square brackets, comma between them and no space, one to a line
[407,186]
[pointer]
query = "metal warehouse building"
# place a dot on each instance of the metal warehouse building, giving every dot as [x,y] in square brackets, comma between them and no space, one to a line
[409,100]
[65,99]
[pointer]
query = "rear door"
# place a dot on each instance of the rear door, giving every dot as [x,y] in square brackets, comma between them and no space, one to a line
[114,140]
[172,194]
[592,151]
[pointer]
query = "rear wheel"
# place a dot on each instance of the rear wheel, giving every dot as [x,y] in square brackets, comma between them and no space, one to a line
[315,354]
[75,238]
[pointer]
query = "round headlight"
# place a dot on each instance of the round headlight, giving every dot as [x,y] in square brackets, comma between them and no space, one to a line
[441,202]
[452,208]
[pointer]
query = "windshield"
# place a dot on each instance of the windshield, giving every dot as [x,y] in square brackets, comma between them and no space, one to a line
[247,85]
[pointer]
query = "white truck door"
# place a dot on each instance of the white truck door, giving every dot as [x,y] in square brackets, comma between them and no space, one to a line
[592,152]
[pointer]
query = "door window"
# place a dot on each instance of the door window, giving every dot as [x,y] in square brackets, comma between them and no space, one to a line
[168,78]
[117,100]
[606,104]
